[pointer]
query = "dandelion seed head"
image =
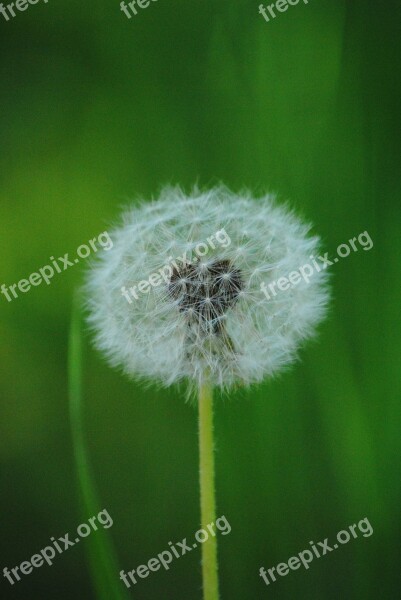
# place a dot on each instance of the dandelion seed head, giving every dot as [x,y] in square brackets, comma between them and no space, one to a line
[205,313]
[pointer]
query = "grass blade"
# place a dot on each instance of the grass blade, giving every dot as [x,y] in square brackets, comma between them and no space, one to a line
[101,555]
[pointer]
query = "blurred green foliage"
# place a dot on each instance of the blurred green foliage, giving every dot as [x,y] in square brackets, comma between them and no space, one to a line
[98,109]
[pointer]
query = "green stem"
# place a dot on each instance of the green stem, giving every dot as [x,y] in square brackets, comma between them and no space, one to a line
[207,492]
[101,554]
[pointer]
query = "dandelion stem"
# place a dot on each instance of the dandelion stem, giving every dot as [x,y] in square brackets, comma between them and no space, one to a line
[207,491]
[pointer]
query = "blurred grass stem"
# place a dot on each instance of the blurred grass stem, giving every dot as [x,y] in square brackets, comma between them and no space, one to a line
[101,554]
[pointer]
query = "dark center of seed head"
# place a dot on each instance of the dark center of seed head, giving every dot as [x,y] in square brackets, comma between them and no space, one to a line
[204,292]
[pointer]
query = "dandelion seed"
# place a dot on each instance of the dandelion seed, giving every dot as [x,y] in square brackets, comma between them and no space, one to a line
[149,338]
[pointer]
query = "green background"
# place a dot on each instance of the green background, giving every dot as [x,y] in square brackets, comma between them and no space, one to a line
[97,109]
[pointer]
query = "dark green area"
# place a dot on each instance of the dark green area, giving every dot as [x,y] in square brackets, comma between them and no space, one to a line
[97,109]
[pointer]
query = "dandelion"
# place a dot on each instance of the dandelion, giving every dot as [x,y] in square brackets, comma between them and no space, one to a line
[178,298]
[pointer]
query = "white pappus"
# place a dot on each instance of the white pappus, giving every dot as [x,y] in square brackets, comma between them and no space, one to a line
[204,315]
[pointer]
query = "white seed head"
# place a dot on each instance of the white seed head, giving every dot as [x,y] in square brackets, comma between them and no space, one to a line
[205,313]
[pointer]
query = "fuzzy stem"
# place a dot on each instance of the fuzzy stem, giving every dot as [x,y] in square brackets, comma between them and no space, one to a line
[207,491]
